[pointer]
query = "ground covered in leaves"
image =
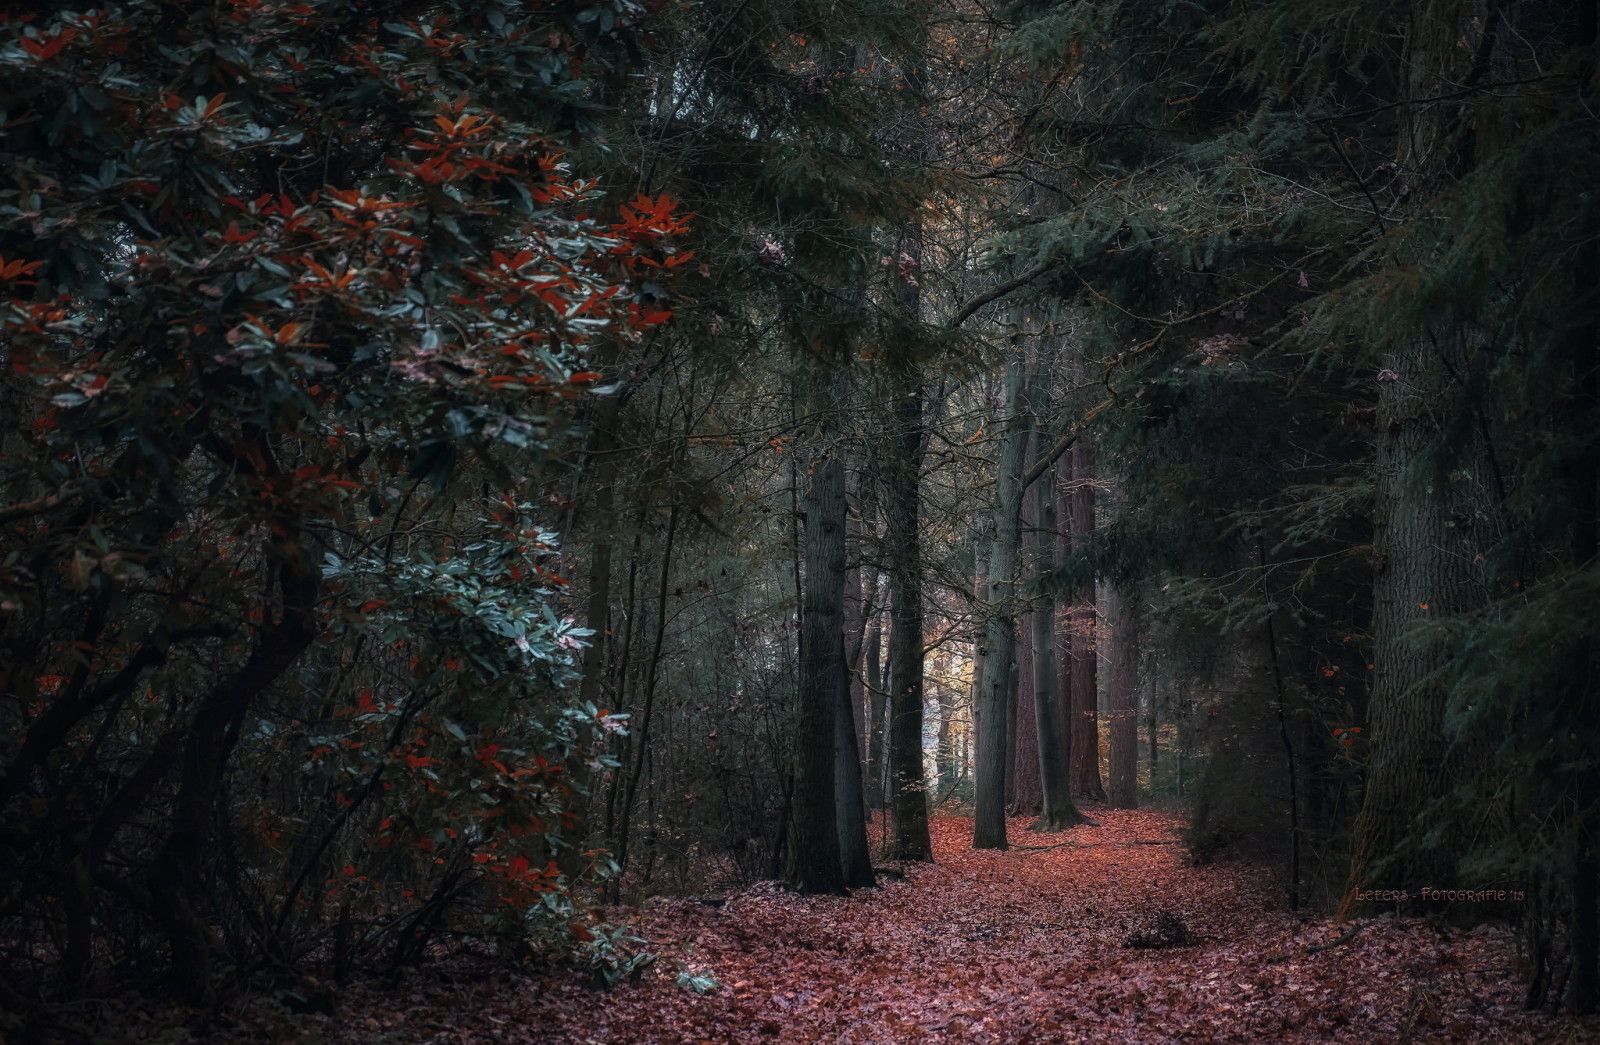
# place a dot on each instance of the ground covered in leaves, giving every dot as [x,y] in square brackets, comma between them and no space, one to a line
[1106,936]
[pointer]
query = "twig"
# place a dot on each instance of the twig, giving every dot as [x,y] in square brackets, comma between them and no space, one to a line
[39,504]
[1341,938]
[1000,290]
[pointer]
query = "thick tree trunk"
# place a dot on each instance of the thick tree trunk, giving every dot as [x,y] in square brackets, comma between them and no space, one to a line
[854,858]
[1085,686]
[1581,479]
[908,797]
[175,875]
[1057,811]
[856,609]
[814,855]
[1122,704]
[999,675]
[1422,574]
[902,503]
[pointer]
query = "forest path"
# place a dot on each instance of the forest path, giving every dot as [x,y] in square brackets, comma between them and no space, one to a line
[1027,945]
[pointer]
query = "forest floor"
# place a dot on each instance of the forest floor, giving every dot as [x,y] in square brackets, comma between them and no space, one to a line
[1027,945]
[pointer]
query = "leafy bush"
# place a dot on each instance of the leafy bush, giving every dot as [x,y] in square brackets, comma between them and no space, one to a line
[296,300]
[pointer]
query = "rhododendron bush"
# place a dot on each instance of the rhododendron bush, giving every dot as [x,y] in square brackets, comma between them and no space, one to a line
[297,302]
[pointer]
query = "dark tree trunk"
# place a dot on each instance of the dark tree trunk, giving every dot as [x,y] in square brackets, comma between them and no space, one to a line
[1085,686]
[1057,811]
[1122,704]
[999,675]
[175,876]
[1582,477]
[814,856]
[1421,575]
[908,797]
[598,618]
[1023,795]
[854,858]
[1065,664]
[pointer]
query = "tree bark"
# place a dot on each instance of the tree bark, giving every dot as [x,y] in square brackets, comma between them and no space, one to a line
[877,712]
[999,676]
[854,858]
[848,728]
[1122,704]
[1023,789]
[1421,575]
[814,854]
[1066,666]
[908,792]
[1057,810]
[598,618]
[1085,686]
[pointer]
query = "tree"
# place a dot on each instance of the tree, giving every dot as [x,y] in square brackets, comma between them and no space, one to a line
[1085,732]
[1058,812]
[999,675]
[1122,704]
[298,302]
[824,691]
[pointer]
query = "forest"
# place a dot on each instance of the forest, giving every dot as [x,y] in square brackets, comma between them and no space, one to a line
[620,521]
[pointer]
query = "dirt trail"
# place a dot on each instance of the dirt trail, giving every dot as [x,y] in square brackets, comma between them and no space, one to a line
[1007,947]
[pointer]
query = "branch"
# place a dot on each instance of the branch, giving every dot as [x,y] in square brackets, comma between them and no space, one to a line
[1062,445]
[39,504]
[1346,935]
[1000,290]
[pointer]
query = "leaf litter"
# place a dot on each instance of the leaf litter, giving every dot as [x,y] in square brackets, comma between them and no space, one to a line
[1098,934]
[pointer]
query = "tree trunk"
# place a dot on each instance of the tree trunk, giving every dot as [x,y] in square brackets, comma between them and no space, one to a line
[1420,575]
[814,855]
[1085,686]
[1066,664]
[877,712]
[947,765]
[1057,811]
[598,618]
[1155,751]
[1023,794]
[854,858]
[1122,704]
[849,730]
[902,502]
[999,675]
[908,797]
